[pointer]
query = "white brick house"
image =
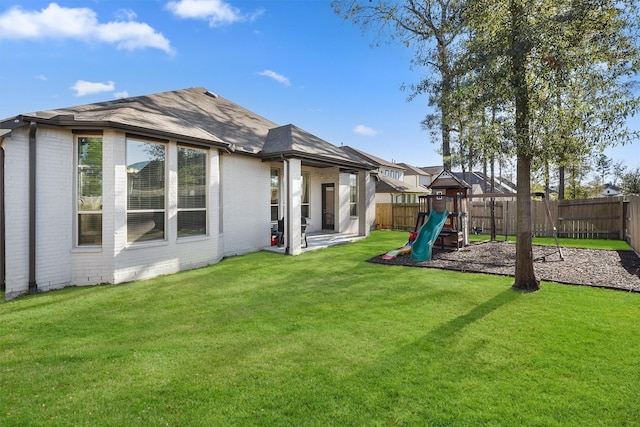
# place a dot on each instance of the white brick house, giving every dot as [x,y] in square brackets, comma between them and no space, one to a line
[133,188]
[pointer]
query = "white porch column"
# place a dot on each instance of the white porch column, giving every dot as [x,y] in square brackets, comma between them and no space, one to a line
[293,191]
[363,203]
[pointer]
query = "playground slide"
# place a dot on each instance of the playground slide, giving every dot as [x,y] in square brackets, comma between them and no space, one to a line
[427,235]
[396,252]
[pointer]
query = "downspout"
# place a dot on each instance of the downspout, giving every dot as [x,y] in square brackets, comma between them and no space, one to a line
[33,286]
[287,216]
[2,227]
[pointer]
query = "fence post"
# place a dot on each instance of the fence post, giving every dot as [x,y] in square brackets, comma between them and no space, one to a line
[622,218]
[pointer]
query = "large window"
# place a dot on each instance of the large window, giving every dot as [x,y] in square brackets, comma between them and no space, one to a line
[275,194]
[145,191]
[89,190]
[353,195]
[305,195]
[192,192]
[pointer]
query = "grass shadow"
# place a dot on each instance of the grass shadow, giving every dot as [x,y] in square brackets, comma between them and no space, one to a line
[455,326]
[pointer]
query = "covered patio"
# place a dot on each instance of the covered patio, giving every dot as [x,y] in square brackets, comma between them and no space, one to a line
[320,240]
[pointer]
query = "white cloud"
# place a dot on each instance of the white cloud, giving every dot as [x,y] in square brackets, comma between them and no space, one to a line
[217,12]
[79,23]
[126,14]
[83,87]
[120,95]
[365,130]
[275,76]
[41,77]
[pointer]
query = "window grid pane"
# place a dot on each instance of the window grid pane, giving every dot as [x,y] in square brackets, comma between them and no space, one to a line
[192,223]
[90,229]
[143,226]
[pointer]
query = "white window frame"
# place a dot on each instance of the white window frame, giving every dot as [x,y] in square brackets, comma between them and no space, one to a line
[353,195]
[206,191]
[279,189]
[77,210]
[162,210]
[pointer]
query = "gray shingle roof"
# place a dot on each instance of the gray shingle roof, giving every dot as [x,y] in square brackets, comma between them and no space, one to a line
[412,170]
[291,140]
[197,115]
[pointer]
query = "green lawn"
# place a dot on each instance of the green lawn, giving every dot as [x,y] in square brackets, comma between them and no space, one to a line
[321,339]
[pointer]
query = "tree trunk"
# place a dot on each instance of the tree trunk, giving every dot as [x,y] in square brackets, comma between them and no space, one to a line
[525,276]
[445,106]
[561,183]
[547,179]
[525,279]
[493,201]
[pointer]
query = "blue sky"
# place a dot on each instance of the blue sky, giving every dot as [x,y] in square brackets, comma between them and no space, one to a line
[291,61]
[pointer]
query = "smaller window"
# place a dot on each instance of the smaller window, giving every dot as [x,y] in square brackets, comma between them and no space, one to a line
[353,200]
[192,192]
[89,190]
[275,194]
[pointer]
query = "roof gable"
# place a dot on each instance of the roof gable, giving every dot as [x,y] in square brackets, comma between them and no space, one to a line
[290,140]
[192,114]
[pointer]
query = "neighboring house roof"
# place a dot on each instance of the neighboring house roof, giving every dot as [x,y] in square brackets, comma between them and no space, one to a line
[412,170]
[501,185]
[386,184]
[372,159]
[610,190]
[432,170]
[193,115]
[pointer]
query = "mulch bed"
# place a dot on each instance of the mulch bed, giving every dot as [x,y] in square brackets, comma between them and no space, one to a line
[588,267]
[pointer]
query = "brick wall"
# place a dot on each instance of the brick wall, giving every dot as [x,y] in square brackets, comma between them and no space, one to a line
[54,207]
[245,195]
[17,213]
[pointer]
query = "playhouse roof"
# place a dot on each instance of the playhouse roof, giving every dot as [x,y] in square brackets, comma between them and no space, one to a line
[447,179]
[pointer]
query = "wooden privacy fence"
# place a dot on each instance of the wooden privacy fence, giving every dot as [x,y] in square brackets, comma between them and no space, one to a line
[601,218]
[396,216]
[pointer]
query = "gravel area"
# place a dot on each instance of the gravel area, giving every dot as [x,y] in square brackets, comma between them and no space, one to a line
[588,267]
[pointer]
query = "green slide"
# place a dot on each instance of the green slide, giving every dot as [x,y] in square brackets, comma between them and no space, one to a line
[421,250]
